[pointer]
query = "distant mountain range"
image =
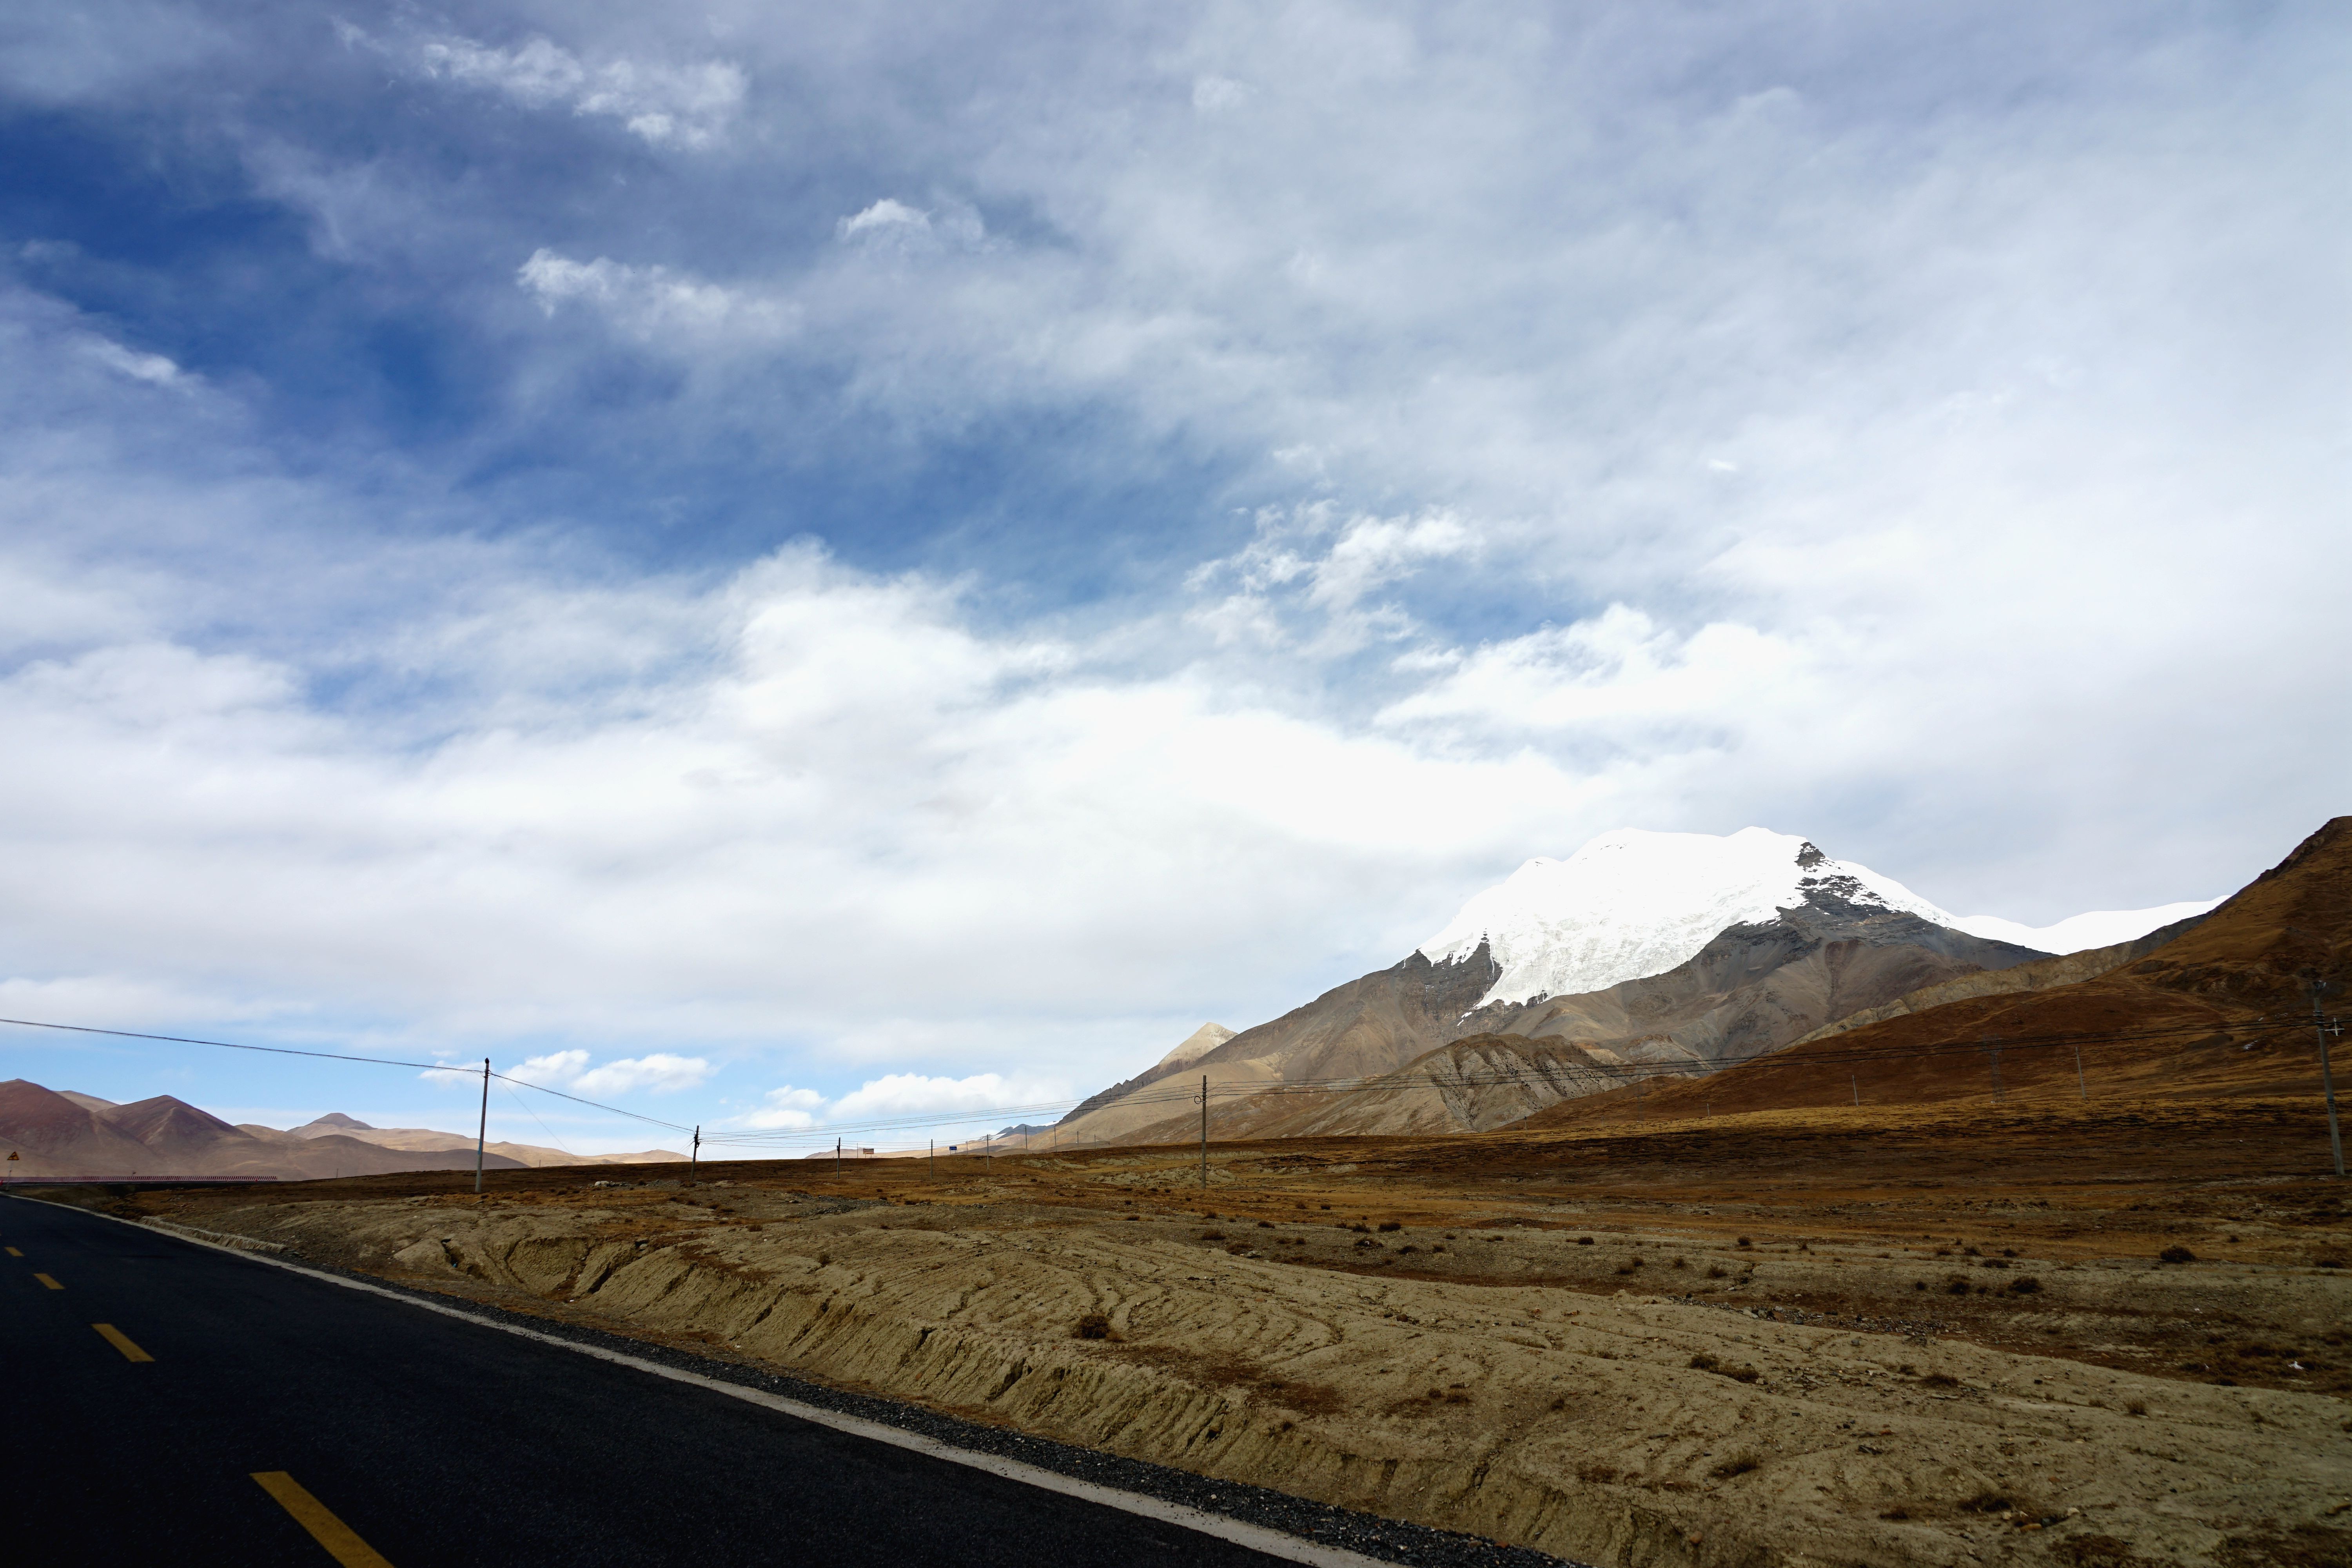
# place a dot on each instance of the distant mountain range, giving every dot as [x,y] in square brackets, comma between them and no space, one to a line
[67,1133]
[1681,949]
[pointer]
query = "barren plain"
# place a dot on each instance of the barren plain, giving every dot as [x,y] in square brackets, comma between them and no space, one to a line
[1775,1338]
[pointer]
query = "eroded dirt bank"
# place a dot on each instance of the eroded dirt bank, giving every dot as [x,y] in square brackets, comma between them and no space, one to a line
[1786,1342]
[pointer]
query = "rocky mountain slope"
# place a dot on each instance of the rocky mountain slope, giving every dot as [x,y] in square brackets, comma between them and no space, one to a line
[1666,948]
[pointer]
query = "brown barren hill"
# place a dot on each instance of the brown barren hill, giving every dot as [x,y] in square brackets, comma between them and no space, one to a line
[2223,1009]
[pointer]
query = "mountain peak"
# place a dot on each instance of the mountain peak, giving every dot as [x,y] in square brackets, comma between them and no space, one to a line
[1633,903]
[337,1119]
[1196,1044]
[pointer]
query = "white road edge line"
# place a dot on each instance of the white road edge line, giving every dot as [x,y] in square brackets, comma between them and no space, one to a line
[1257,1538]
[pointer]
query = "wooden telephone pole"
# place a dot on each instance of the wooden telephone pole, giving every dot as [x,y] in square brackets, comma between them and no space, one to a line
[482,1129]
[1205,1132]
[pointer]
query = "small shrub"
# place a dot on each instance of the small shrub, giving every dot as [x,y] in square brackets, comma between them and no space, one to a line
[1094,1326]
[1715,1272]
[2136,1407]
[2176,1254]
[1970,1252]
[1703,1362]
[1918,1284]
[1994,1263]
[1987,1502]
[1265,1224]
[1212,1235]
[1940,1380]
[1134,1218]
[1957,1288]
[1737,1465]
[1583,1241]
[2025,1287]
[1745,1242]
[1391,1224]
[1898,1513]
[1680,1264]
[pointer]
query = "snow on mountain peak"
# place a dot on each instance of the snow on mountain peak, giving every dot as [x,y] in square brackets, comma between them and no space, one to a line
[1633,903]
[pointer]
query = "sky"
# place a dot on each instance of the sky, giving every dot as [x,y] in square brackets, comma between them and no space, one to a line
[780,565]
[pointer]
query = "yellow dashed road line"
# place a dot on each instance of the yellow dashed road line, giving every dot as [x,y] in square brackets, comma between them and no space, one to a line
[342,1543]
[48,1281]
[122,1342]
[14,1253]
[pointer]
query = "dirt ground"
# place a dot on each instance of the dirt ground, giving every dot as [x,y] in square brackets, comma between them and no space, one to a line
[1785,1336]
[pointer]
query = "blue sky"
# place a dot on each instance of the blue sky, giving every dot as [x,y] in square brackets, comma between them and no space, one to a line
[895,560]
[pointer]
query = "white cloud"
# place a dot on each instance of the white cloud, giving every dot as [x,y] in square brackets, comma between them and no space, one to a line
[884,216]
[664,104]
[156,370]
[911,1097]
[552,1070]
[661,1072]
[916,1094]
[787,1108]
[653,302]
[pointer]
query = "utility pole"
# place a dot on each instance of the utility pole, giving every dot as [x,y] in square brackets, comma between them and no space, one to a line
[836,1156]
[2327,1075]
[935,1156]
[2081,1083]
[482,1130]
[694,1159]
[1205,1132]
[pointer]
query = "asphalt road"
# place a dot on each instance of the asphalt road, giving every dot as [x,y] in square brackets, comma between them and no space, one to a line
[435,1441]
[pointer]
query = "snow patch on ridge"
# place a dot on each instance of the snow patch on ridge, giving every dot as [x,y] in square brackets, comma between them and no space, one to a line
[1633,903]
[2099,928]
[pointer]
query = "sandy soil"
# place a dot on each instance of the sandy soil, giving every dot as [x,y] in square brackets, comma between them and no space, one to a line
[1789,1340]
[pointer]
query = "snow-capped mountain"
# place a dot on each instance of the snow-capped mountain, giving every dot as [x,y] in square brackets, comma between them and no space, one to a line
[1633,903]
[1682,950]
